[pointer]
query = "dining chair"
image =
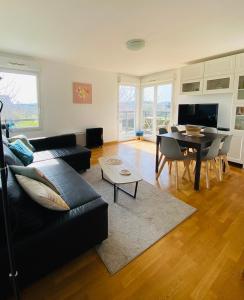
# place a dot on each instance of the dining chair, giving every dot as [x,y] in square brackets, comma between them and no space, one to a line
[171,151]
[162,130]
[209,156]
[210,130]
[223,151]
[174,129]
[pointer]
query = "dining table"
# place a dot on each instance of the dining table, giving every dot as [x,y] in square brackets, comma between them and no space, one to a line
[198,143]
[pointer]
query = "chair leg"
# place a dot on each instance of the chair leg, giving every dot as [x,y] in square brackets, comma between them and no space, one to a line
[160,159]
[161,168]
[176,175]
[187,164]
[170,166]
[220,169]
[207,177]
[227,167]
[216,170]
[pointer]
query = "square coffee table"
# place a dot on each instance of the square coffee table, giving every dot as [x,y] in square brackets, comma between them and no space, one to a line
[111,173]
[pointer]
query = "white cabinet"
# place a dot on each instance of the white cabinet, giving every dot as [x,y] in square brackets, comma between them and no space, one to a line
[219,66]
[192,87]
[239,88]
[218,84]
[192,79]
[240,62]
[236,149]
[194,71]
[219,75]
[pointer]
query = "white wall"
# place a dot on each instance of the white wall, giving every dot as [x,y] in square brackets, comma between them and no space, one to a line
[58,113]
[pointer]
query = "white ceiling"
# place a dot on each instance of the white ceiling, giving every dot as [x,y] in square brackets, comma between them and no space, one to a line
[92,33]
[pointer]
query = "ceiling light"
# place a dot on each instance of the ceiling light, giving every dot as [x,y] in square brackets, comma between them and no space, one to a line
[135,44]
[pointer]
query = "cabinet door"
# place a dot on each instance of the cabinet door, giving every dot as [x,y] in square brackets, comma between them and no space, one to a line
[218,84]
[239,89]
[240,62]
[220,66]
[192,72]
[191,87]
[236,149]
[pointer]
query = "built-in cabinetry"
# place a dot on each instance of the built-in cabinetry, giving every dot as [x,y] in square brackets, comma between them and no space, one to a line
[237,146]
[192,79]
[211,77]
[218,76]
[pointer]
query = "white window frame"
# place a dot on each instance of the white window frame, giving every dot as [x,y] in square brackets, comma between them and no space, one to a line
[37,74]
[155,85]
[136,109]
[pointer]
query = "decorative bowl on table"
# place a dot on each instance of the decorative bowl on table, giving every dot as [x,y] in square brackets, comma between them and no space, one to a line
[125,172]
[192,130]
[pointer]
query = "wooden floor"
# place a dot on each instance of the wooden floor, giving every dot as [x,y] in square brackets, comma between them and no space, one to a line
[203,258]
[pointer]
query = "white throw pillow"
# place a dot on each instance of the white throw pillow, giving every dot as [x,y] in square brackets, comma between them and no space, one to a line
[42,194]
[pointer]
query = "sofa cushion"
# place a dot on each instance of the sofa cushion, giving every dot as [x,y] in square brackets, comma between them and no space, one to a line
[42,194]
[71,186]
[22,152]
[77,157]
[33,173]
[10,157]
[24,139]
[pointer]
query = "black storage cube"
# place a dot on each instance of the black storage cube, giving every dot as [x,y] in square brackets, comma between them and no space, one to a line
[94,137]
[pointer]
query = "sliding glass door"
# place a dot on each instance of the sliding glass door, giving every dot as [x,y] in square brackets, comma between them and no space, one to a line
[127,111]
[156,108]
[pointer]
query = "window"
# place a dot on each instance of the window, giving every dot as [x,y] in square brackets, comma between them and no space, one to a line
[18,92]
[156,107]
[163,108]
[148,110]
[127,111]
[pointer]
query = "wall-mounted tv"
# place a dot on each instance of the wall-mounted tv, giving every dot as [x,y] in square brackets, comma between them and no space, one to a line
[198,114]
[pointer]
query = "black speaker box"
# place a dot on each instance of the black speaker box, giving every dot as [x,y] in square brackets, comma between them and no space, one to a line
[94,137]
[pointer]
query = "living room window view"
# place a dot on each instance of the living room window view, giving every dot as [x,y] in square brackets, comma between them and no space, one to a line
[121,150]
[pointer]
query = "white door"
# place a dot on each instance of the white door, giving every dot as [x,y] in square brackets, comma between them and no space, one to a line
[127,111]
[156,108]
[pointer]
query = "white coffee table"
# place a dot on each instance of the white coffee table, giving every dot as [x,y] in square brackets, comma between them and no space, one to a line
[111,174]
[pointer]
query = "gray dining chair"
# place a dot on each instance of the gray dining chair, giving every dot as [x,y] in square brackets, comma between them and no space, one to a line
[210,156]
[162,130]
[171,152]
[223,151]
[210,130]
[174,129]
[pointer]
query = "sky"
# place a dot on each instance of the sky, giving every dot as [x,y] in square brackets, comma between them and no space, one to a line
[22,88]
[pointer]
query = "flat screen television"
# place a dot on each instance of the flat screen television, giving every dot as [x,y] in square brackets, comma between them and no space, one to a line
[198,114]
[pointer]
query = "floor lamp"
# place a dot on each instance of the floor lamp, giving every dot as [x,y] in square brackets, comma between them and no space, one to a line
[4,176]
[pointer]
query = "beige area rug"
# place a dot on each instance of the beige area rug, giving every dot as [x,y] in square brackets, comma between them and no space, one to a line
[135,224]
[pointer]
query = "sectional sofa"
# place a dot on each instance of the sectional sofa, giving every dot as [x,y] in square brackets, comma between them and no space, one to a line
[44,239]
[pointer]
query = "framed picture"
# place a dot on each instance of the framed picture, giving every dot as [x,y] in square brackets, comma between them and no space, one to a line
[82,93]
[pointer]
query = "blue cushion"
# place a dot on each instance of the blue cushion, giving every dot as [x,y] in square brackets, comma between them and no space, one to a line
[22,152]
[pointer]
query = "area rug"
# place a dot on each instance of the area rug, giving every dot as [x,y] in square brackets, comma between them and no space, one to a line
[135,224]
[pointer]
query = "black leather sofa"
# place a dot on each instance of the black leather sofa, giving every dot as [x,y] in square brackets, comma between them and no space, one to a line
[44,239]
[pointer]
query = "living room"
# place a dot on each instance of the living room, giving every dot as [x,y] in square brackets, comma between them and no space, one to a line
[122,150]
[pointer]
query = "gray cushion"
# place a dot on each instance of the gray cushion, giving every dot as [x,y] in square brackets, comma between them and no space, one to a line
[24,140]
[10,157]
[33,173]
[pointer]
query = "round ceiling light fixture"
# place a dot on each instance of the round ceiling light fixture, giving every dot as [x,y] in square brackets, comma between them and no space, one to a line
[135,44]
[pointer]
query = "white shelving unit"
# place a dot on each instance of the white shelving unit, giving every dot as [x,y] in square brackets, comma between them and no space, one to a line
[221,76]
[192,79]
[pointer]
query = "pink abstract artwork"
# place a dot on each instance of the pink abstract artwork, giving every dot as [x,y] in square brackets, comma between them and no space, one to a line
[82,93]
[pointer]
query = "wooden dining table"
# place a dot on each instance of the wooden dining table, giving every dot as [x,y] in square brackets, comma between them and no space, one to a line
[196,142]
